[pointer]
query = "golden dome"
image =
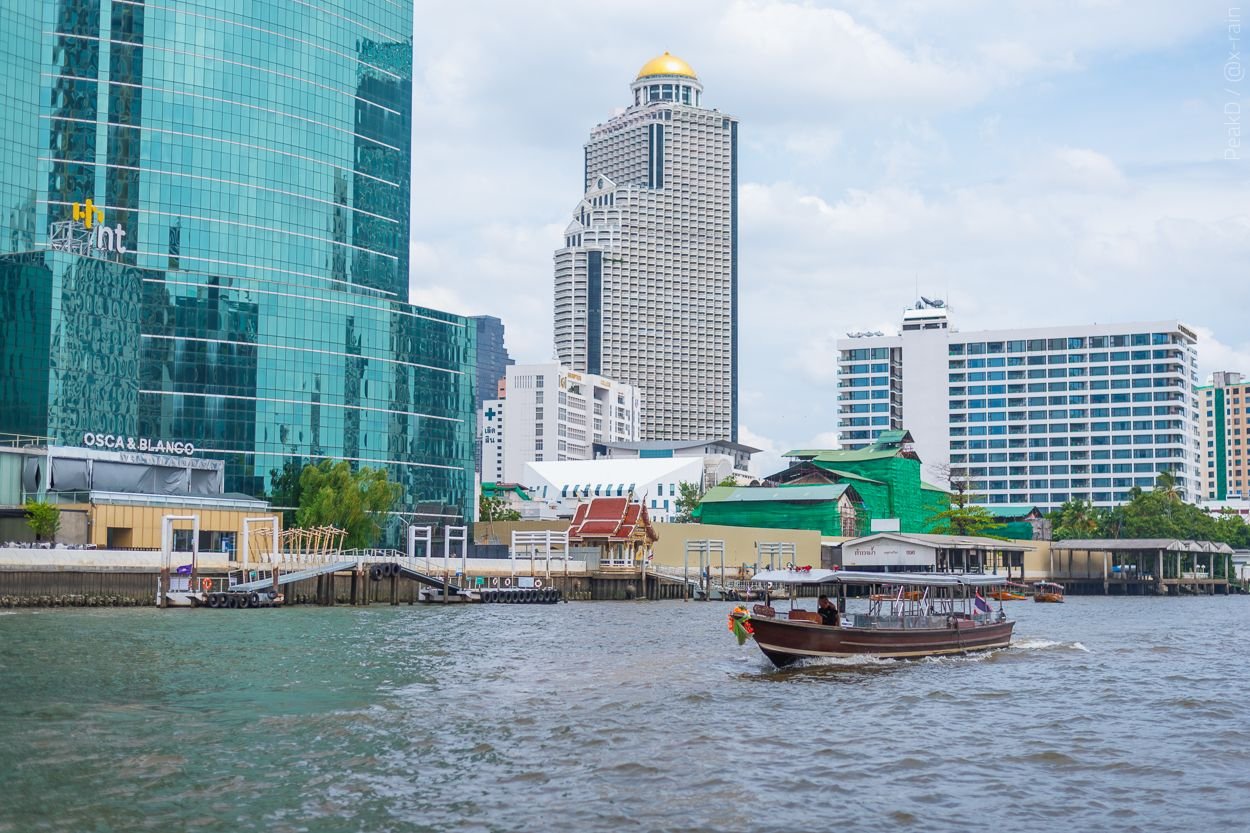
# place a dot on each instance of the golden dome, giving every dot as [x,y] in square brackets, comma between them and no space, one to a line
[666,64]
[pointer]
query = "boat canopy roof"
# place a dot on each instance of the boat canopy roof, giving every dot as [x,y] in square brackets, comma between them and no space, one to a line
[855,577]
[1048,584]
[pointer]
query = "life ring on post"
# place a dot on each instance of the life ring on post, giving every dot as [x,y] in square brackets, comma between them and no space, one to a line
[206,584]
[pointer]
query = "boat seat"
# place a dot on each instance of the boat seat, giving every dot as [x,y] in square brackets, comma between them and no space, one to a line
[805,616]
[763,610]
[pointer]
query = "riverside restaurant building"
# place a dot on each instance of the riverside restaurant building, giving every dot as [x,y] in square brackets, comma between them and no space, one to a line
[204,225]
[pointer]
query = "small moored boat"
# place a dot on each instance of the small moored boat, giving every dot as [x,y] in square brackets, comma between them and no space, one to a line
[1048,591]
[909,615]
[1008,593]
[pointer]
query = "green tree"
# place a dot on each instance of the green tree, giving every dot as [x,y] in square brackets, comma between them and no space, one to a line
[1077,519]
[968,520]
[495,509]
[284,490]
[728,481]
[331,494]
[43,518]
[688,497]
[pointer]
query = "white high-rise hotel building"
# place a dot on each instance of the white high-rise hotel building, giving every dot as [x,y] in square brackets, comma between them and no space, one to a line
[646,284]
[1034,416]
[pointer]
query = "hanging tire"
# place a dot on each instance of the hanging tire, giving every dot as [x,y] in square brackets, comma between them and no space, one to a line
[253,600]
[375,572]
[214,601]
[531,596]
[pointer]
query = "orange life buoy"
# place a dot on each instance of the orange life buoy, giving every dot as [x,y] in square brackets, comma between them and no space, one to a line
[206,583]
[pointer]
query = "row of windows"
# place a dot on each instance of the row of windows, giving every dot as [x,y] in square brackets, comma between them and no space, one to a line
[1061,373]
[1068,358]
[1070,343]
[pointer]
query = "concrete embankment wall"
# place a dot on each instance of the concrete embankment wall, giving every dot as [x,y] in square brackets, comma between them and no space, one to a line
[77,588]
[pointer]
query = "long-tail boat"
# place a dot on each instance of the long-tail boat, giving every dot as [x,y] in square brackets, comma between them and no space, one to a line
[908,615]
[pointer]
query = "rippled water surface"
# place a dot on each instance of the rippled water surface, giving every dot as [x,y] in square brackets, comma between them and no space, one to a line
[1107,715]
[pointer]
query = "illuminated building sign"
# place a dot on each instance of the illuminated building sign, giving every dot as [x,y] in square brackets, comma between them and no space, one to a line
[86,234]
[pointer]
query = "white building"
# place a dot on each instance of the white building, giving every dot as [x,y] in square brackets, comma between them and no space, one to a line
[721,458]
[654,481]
[552,413]
[1036,415]
[646,284]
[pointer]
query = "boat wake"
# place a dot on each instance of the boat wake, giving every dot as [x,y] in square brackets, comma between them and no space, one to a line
[1047,645]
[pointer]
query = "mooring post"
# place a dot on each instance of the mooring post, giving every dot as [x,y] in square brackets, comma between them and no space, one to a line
[164,587]
[394,589]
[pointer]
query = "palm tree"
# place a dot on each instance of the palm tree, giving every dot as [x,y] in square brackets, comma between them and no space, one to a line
[1165,485]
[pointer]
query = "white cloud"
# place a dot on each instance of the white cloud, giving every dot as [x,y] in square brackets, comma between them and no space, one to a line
[1215,355]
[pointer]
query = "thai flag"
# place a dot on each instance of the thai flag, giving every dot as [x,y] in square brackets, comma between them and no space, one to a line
[981,604]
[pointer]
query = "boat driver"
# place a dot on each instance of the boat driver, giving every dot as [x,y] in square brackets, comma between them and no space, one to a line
[828,612]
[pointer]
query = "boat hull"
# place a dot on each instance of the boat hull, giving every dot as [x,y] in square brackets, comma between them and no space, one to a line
[785,642]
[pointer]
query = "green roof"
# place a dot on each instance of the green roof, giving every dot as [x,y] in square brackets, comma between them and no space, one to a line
[842,455]
[894,437]
[852,476]
[743,494]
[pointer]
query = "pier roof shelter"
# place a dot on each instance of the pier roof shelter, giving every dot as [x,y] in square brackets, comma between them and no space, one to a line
[1130,562]
[618,526]
[894,551]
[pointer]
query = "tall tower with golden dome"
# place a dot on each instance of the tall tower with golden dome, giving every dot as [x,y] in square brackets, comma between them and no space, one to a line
[646,283]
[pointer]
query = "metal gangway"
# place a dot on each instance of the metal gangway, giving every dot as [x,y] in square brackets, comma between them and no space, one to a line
[273,568]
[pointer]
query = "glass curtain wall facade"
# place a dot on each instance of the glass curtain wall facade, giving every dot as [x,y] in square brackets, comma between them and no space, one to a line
[205,234]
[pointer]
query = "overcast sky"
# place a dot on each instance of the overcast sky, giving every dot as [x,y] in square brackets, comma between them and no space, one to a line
[1034,163]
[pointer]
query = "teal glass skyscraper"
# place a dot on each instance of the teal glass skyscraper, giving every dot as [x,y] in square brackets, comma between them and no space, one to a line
[204,211]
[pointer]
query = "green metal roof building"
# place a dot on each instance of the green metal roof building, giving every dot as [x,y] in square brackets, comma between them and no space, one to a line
[885,475]
[834,509]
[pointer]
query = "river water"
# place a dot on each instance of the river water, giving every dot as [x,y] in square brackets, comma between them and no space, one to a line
[1106,715]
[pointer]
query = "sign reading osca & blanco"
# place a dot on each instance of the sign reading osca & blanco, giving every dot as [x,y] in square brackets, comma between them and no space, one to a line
[120,443]
[86,234]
